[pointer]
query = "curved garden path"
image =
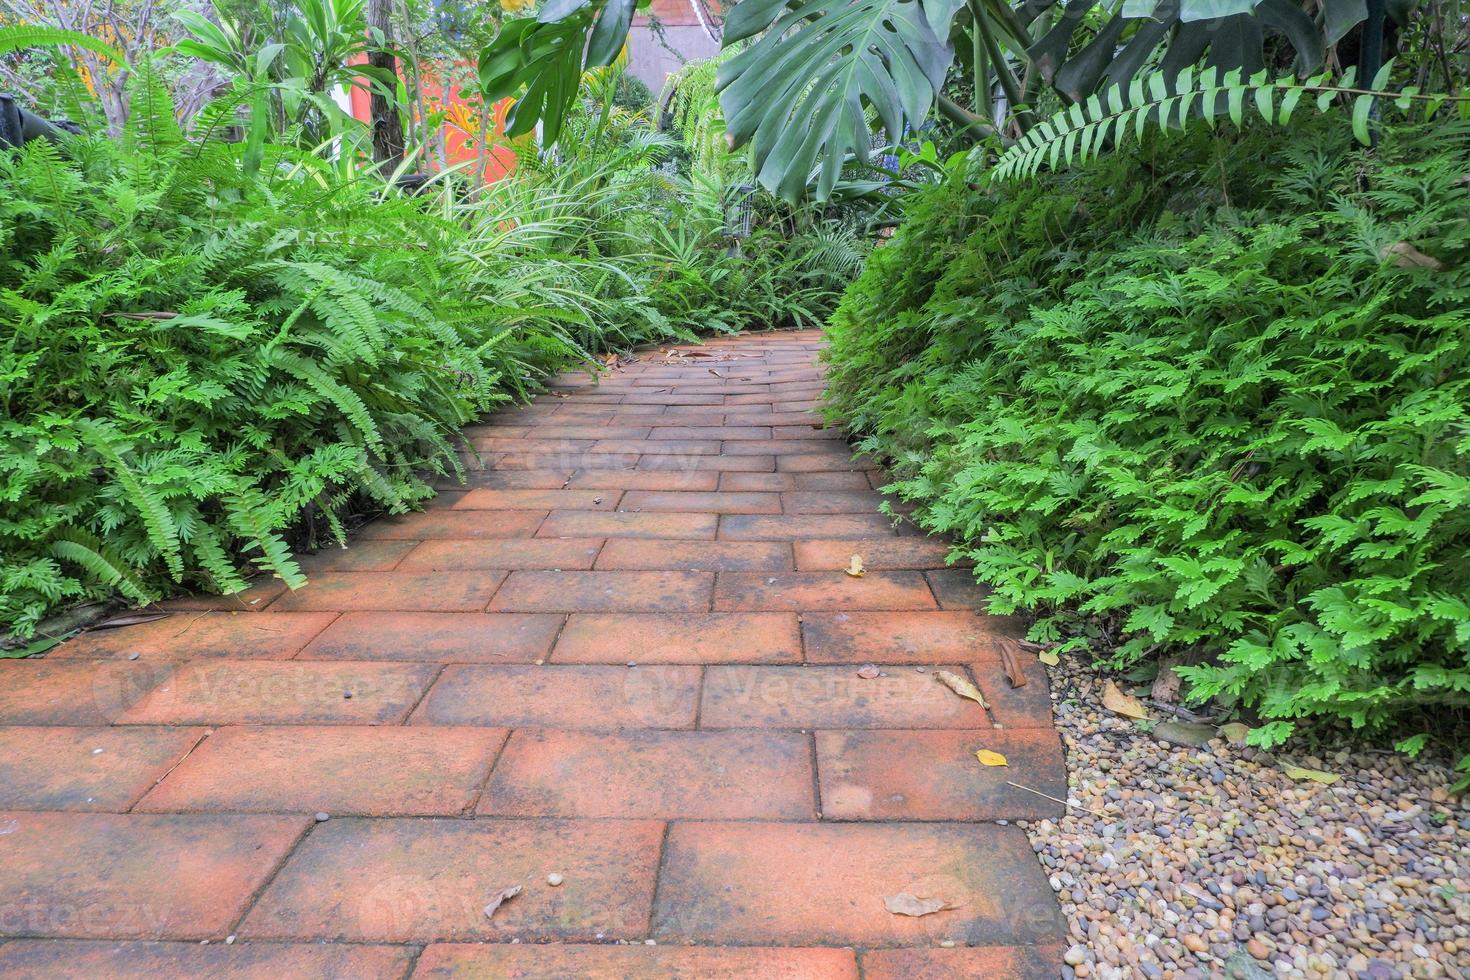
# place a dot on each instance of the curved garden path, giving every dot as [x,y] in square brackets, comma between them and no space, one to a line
[627,655]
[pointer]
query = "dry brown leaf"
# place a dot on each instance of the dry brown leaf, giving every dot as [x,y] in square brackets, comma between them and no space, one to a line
[855,567]
[501,897]
[868,671]
[906,904]
[960,686]
[129,619]
[1124,704]
[1406,256]
[1314,775]
[989,758]
[1012,666]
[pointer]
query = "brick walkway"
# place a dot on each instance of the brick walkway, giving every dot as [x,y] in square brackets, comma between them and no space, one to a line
[627,654]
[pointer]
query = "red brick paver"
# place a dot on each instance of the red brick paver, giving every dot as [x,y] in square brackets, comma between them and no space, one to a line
[626,655]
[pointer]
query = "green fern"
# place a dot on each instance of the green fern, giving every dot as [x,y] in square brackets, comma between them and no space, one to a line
[1083,130]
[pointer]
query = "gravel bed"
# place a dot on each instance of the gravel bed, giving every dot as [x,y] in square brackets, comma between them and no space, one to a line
[1207,861]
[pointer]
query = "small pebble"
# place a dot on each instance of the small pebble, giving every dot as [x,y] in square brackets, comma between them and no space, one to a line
[322,816]
[554,879]
[134,656]
[1203,861]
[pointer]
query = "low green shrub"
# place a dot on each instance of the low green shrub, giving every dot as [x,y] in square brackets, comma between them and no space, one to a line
[1206,398]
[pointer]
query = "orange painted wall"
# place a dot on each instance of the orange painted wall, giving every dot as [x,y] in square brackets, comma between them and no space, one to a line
[459,146]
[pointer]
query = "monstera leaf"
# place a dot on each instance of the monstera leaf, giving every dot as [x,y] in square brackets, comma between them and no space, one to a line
[804,90]
[540,60]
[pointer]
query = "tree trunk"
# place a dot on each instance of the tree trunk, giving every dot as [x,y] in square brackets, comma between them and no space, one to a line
[387,124]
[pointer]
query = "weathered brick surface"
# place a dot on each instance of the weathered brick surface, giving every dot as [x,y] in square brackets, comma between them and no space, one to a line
[566,696]
[55,768]
[823,884]
[425,880]
[448,961]
[135,876]
[679,638]
[389,771]
[437,637]
[454,691]
[735,775]
[30,959]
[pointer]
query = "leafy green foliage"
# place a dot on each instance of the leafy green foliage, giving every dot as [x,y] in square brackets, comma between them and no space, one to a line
[1084,130]
[1207,397]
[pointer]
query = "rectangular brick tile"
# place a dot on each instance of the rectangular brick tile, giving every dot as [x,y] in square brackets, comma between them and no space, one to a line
[543,500]
[775,447]
[573,461]
[690,480]
[655,447]
[455,524]
[437,637]
[695,503]
[565,696]
[604,431]
[756,415]
[618,524]
[964,963]
[806,884]
[608,412]
[935,775]
[74,692]
[762,482]
[899,638]
[822,461]
[553,479]
[1017,707]
[370,771]
[49,768]
[414,591]
[713,432]
[830,480]
[813,431]
[723,464]
[832,697]
[832,502]
[520,444]
[135,876]
[210,634]
[422,880]
[380,555]
[822,591]
[507,553]
[446,961]
[877,553]
[45,959]
[718,556]
[680,638]
[956,588]
[730,775]
[290,693]
[604,592]
[668,398]
[791,527]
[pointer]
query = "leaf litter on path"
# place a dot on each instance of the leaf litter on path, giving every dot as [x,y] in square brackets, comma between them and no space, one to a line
[960,686]
[905,904]
[501,897]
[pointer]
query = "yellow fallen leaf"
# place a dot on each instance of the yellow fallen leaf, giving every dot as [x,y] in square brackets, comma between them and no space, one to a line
[989,758]
[855,567]
[1124,704]
[906,904]
[1315,775]
[960,686]
[1049,657]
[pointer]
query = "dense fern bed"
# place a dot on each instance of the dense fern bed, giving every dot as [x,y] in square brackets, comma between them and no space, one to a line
[1222,415]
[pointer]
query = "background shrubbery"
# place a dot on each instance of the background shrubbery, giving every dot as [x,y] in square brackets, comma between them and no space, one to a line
[1207,398]
[212,359]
